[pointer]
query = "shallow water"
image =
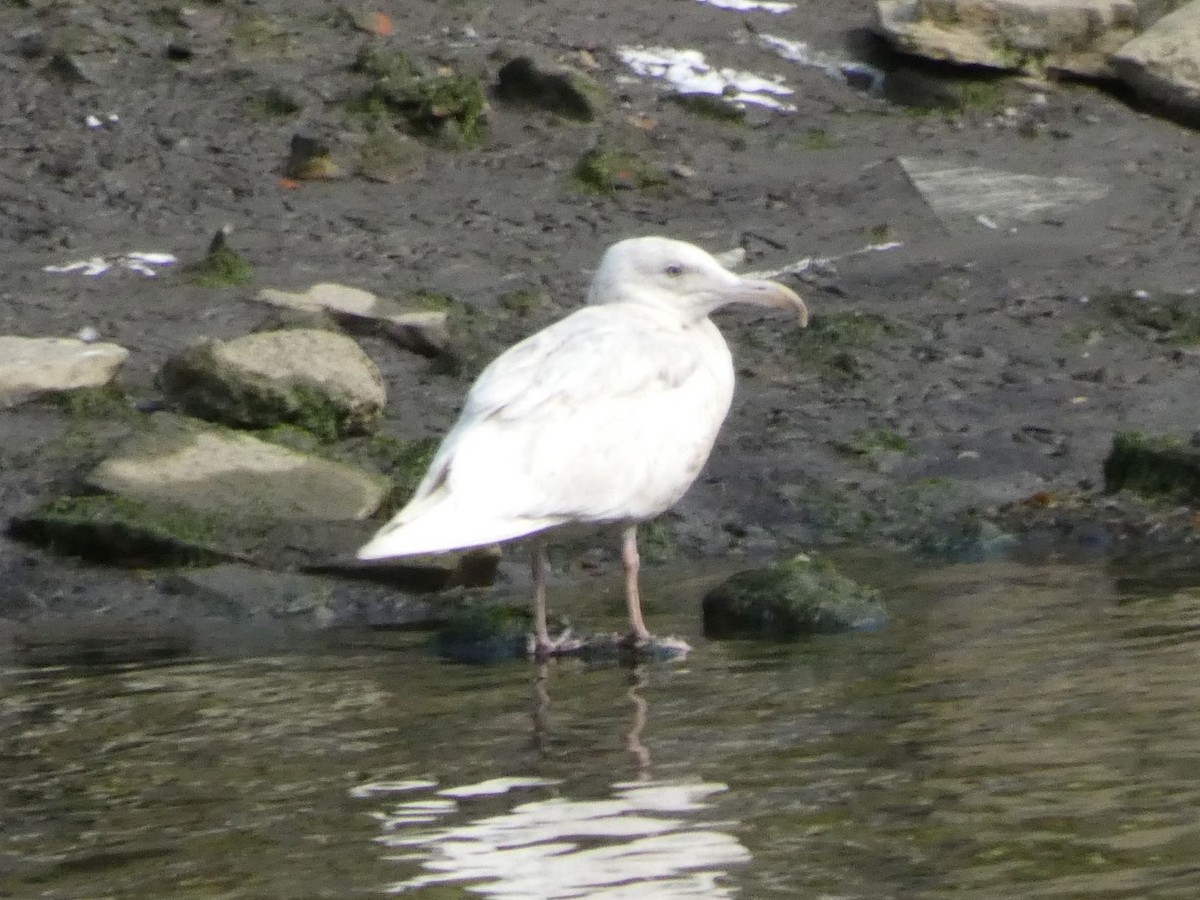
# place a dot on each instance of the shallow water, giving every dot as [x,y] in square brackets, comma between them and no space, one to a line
[1014,732]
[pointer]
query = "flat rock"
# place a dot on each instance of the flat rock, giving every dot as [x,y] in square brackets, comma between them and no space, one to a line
[996,198]
[1030,36]
[1163,63]
[31,367]
[424,331]
[180,463]
[317,380]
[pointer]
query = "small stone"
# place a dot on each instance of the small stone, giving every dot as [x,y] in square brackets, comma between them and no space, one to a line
[572,95]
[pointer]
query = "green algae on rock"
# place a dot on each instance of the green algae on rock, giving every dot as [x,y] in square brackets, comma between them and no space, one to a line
[803,596]
[1154,466]
[122,531]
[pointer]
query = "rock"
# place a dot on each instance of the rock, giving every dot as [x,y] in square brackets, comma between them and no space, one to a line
[520,82]
[317,380]
[121,532]
[1154,466]
[803,596]
[1163,63]
[389,157]
[424,331]
[484,633]
[178,463]
[993,198]
[1030,36]
[31,367]
[309,159]
[221,266]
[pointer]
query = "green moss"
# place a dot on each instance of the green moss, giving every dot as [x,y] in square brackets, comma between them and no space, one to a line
[656,541]
[605,170]
[273,104]
[828,346]
[1173,318]
[121,531]
[988,96]
[803,596]
[107,402]
[819,139]
[447,106]
[484,632]
[196,381]
[870,441]
[221,266]
[879,234]
[710,106]
[1154,466]
[404,462]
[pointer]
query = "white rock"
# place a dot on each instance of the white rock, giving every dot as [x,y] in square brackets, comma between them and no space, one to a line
[180,462]
[30,367]
[1163,63]
[1022,35]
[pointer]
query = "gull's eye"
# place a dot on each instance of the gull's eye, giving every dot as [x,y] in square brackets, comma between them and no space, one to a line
[674,270]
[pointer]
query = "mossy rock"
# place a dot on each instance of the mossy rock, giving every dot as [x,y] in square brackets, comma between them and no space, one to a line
[122,531]
[1154,466]
[802,597]
[485,633]
[449,106]
[572,95]
[317,380]
[221,266]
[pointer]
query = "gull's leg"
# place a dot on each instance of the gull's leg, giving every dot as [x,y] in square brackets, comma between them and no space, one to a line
[632,562]
[543,646]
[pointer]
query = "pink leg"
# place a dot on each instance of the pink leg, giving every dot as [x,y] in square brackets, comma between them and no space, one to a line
[541,632]
[632,562]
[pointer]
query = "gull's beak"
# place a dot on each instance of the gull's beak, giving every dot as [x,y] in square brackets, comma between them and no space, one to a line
[760,292]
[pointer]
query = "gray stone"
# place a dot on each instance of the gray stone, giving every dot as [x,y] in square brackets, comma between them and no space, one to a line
[424,331]
[180,463]
[1030,36]
[31,367]
[521,82]
[1163,63]
[318,380]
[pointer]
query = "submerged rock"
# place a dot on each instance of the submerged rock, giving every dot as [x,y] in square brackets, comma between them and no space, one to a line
[1154,466]
[33,367]
[803,596]
[317,380]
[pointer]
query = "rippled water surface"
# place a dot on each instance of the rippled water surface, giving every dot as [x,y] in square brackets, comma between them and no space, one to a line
[1015,732]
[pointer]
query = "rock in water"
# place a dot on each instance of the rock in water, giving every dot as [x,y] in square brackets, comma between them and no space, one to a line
[802,597]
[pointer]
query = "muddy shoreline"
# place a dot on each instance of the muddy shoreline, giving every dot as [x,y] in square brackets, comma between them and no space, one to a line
[970,367]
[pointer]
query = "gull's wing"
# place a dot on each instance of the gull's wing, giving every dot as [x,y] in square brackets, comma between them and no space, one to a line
[606,415]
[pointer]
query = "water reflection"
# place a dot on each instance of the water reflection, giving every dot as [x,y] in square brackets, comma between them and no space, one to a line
[646,837]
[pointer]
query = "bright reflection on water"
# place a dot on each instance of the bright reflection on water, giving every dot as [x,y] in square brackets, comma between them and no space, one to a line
[1015,732]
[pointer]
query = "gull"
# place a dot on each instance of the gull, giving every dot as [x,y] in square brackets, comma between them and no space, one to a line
[604,418]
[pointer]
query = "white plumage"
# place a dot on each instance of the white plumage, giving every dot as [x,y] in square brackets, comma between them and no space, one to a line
[605,417]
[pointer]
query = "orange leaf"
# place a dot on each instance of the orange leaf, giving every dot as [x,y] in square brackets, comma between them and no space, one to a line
[380,23]
[289,184]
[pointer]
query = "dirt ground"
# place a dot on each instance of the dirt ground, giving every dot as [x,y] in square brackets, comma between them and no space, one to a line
[984,363]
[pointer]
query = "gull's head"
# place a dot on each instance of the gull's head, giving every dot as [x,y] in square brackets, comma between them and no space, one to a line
[658,271]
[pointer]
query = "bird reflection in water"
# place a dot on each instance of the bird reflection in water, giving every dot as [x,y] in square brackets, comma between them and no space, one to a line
[647,838]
